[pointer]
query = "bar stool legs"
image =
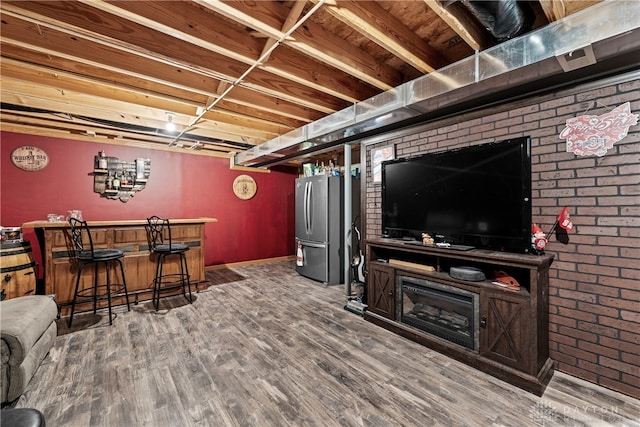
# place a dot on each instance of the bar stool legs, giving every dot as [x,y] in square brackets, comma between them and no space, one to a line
[163,282]
[95,295]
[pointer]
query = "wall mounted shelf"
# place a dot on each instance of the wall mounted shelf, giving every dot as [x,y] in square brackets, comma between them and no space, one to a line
[118,179]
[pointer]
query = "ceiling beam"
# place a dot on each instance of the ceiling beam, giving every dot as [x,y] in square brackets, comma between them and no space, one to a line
[313,41]
[372,21]
[292,17]
[163,82]
[20,92]
[71,38]
[65,81]
[188,23]
[30,126]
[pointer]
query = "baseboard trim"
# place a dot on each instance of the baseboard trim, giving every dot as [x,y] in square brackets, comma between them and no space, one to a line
[252,262]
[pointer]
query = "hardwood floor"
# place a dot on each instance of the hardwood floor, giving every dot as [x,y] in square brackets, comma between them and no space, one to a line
[276,349]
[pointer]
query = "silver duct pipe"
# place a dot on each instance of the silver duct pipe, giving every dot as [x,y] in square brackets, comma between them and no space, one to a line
[498,69]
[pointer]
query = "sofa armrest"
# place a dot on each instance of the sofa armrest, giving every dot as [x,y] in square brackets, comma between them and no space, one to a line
[22,321]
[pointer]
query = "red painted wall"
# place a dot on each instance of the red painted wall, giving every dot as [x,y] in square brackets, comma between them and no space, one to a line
[180,186]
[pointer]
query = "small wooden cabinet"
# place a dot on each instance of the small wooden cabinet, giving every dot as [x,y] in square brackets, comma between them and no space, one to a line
[504,328]
[381,291]
[512,326]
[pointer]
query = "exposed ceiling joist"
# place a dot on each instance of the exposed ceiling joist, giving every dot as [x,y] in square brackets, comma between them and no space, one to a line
[372,21]
[130,63]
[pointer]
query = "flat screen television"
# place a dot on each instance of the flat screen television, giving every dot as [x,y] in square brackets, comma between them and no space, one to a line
[476,196]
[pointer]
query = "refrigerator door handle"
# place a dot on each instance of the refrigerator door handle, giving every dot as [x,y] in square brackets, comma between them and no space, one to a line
[305,206]
[312,245]
[307,215]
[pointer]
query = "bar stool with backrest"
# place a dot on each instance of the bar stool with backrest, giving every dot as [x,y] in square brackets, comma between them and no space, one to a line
[163,246]
[85,254]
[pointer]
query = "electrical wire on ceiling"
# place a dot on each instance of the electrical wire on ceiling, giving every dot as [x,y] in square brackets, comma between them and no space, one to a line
[253,66]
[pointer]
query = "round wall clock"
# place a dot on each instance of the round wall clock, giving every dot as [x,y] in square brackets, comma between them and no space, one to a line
[244,187]
[29,158]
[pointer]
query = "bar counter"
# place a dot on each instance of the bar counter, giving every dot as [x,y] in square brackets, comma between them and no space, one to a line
[130,236]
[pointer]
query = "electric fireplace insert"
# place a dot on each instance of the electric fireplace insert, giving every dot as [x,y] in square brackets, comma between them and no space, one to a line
[440,310]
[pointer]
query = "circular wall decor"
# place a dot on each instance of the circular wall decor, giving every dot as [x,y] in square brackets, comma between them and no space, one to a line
[29,158]
[244,187]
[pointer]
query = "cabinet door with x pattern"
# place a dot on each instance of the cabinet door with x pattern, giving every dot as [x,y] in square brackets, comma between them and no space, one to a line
[381,290]
[503,326]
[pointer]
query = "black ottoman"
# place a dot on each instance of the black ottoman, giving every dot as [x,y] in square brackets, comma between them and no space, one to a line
[21,417]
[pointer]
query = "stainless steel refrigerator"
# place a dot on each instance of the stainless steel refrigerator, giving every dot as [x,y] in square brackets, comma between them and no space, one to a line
[319,228]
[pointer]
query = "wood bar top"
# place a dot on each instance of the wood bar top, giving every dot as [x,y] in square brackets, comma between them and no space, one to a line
[63,224]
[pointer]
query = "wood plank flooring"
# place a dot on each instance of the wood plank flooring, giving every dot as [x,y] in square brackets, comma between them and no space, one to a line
[276,349]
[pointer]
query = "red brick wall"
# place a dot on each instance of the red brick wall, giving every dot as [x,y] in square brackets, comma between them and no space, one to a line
[595,277]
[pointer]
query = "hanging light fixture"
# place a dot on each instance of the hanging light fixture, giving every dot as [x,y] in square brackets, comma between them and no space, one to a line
[170,125]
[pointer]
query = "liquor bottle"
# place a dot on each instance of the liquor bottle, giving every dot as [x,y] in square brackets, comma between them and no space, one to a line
[124,181]
[102,160]
[110,182]
[116,182]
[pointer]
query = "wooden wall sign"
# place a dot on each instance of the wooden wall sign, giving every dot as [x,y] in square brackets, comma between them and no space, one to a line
[244,187]
[29,158]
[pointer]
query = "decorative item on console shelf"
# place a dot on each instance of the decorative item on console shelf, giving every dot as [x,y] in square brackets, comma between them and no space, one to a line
[117,179]
[539,239]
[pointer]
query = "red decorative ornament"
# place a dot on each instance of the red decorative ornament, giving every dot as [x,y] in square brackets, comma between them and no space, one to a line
[590,135]
[538,238]
[564,219]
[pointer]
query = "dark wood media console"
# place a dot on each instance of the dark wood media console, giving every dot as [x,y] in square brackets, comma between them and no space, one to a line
[511,327]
